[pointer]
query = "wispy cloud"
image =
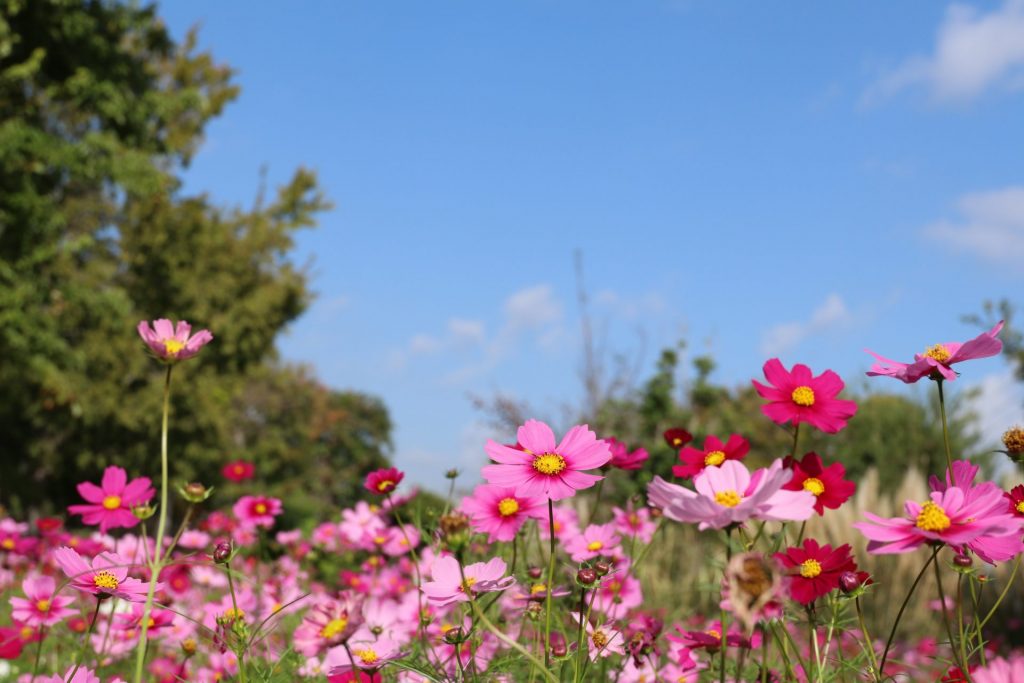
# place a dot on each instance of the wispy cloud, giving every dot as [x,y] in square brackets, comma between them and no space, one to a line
[831,314]
[991,227]
[973,52]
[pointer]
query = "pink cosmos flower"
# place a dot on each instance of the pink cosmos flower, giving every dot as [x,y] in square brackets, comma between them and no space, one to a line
[602,641]
[543,469]
[991,547]
[110,503]
[951,516]
[105,576]
[936,361]
[623,458]
[730,494]
[132,621]
[238,470]
[367,656]
[172,342]
[618,593]
[256,511]
[1001,670]
[448,588]
[713,454]
[384,481]
[328,623]
[798,396]
[567,524]
[596,540]
[499,512]
[41,606]
[633,522]
[83,675]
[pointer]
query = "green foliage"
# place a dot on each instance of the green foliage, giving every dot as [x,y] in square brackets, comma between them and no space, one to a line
[100,112]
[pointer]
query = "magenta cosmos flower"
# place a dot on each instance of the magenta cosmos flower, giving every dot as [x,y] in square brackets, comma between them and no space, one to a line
[172,342]
[384,481]
[238,470]
[950,516]
[105,576]
[41,606]
[799,396]
[499,512]
[448,588]
[367,656]
[110,504]
[730,494]
[595,541]
[543,469]
[625,459]
[936,361]
[257,511]
[713,454]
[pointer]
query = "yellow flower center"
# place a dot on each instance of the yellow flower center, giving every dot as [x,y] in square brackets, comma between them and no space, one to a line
[43,605]
[233,614]
[467,584]
[810,568]
[380,540]
[368,656]
[676,441]
[537,588]
[508,507]
[8,544]
[937,352]
[717,635]
[714,458]
[239,469]
[260,509]
[112,502]
[803,396]
[595,545]
[333,628]
[599,638]
[173,346]
[932,518]
[729,499]
[385,485]
[105,580]
[549,463]
[1020,507]
[814,485]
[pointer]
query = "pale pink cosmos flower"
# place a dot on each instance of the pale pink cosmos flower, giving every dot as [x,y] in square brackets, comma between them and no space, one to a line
[618,593]
[499,512]
[105,576]
[171,342]
[41,606]
[991,547]
[110,504]
[634,522]
[730,494]
[936,361]
[328,623]
[256,511]
[544,469]
[367,656]
[448,587]
[567,524]
[950,516]
[1001,670]
[83,675]
[159,620]
[596,540]
[602,641]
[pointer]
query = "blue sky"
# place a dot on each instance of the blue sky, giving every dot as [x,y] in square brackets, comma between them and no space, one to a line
[800,182]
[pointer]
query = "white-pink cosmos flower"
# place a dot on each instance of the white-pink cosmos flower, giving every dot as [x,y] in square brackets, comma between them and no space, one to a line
[730,494]
[448,586]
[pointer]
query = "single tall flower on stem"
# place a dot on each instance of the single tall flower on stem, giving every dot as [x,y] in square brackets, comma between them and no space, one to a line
[799,396]
[170,342]
[110,504]
[815,569]
[937,360]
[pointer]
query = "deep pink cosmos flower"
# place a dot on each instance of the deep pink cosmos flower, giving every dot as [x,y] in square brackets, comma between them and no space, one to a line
[713,454]
[256,511]
[41,606]
[499,512]
[936,361]
[814,569]
[448,588]
[110,503]
[1016,500]
[132,621]
[171,342]
[826,483]
[798,396]
[105,576]
[625,459]
[238,470]
[730,494]
[367,656]
[542,469]
[595,541]
[950,516]
[384,481]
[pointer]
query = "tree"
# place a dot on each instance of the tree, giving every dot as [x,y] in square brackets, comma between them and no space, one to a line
[101,112]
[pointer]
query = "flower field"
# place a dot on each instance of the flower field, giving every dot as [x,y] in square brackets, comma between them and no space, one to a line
[721,572]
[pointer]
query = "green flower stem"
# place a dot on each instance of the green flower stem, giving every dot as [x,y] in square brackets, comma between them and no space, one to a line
[903,607]
[537,664]
[156,564]
[85,640]
[765,644]
[550,585]
[643,553]
[976,602]
[1006,589]
[597,501]
[957,653]
[869,645]
[39,653]
[945,428]
[722,615]
[237,615]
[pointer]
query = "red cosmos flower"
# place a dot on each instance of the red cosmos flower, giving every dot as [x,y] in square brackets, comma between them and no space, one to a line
[714,454]
[623,458]
[826,483]
[238,470]
[49,525]
[383,482]
[798,396]
[815,569]
[11,642]
[677,437]
[1016,499]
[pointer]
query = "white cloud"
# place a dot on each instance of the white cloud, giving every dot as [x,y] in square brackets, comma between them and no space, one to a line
[424,344]
[992,227]
[532,308]
[973,52]
[831,314]
[631,308]
[466,332]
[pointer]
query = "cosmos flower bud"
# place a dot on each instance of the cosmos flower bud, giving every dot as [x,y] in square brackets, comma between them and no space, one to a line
[451,474]
[1013,439]
[222,553]
[454,528]
[535,572]
[194,492]
[454,636]
[559,648]
[189,647]
[586,577]
[602,568]
[962,561]
[849,582]
[143,512]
